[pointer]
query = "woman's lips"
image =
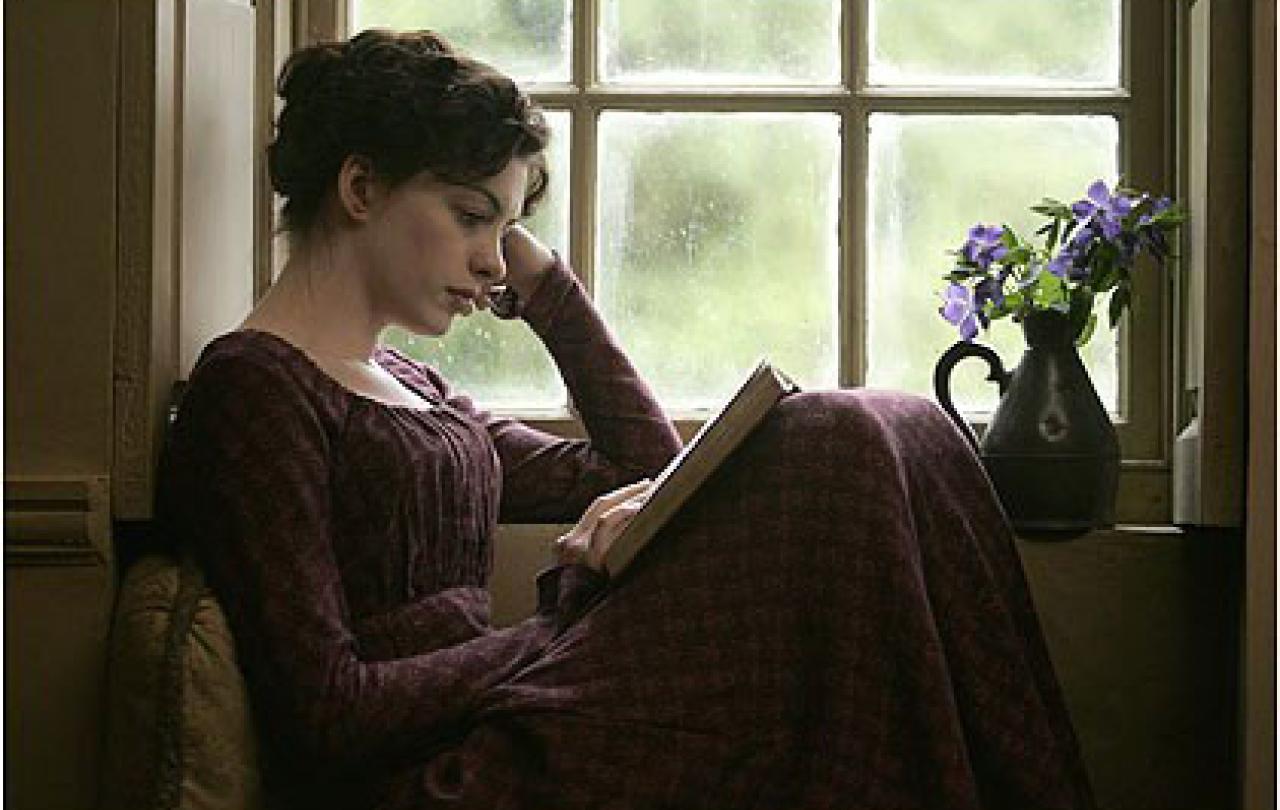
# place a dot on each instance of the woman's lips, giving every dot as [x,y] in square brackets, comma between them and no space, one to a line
[464,301]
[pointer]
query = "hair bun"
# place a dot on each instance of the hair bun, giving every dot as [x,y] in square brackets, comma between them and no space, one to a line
[307,69]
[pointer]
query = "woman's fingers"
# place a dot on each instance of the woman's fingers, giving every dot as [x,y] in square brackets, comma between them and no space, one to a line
[591,537]
[609,500]
[611,524]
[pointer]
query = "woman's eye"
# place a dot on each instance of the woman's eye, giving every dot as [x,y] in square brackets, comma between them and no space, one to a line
[471,219]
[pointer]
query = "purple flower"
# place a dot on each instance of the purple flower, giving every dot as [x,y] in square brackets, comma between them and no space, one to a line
[1101,211]
[989,289]
[1063,263]
[959,310]
[984,246]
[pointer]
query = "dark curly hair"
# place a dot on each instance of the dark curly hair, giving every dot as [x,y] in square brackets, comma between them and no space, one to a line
[404,101]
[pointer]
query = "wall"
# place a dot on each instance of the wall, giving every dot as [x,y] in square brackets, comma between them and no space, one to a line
[61,65]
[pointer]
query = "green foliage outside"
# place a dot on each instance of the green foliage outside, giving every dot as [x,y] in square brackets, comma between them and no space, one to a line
[999,41]
[719,245]
[704,41]
[717,233]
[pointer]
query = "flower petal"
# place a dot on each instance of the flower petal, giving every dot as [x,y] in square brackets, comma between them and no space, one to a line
[1110,227]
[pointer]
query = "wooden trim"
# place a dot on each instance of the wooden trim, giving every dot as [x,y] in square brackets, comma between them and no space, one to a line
[132,449]
[263,115]
[148,210]
[1147,161]
[318,21]
[57,520]
[1225,209]
[1258,710]
[584,119]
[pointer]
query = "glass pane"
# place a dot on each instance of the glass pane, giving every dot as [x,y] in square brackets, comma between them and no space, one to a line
[502,364]
[1045,43]
[528,39]
[720,42]
[931,178]
[717,244]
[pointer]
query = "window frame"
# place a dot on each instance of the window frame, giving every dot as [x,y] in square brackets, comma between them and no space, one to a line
[1144,106]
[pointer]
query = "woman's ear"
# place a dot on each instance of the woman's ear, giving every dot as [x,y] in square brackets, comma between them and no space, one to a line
[359,189]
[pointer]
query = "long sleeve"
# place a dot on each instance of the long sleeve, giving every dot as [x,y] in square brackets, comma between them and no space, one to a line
[547,478]
[246,482]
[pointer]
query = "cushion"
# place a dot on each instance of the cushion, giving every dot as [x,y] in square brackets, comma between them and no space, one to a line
[180,734]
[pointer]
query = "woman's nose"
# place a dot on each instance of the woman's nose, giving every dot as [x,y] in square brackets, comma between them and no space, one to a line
[489,263]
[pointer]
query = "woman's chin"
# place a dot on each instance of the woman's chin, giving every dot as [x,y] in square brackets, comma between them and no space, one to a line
[437,326]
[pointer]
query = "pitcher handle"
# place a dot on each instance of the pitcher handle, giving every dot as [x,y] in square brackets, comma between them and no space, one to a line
[942,380]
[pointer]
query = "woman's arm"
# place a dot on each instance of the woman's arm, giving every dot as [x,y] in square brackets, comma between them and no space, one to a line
[547,478]
[246,483]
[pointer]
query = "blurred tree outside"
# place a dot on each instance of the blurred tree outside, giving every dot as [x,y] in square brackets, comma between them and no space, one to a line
[718,245]
[720,41]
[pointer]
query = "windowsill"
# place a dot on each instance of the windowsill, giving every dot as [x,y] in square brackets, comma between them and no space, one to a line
[1122,531]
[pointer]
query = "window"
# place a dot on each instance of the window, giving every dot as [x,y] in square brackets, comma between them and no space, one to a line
[745,177]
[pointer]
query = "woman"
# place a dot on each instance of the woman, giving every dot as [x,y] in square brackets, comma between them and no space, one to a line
[837,620]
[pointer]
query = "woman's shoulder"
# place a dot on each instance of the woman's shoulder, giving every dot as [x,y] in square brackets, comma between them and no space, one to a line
[249,365]
[248,351]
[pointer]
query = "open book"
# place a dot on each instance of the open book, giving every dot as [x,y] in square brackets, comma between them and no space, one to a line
[759,392]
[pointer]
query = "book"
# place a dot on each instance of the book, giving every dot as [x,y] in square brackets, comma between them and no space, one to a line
[705,452]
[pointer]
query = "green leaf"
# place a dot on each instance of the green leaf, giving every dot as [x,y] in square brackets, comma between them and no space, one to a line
[1056,229]
[1052,208]
[1071,226]
[1087,332]
[1048,291]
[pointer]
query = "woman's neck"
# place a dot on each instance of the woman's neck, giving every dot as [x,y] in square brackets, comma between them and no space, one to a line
[318,304]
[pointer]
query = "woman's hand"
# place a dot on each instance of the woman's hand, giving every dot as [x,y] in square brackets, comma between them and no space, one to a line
[604,520]
[527,260]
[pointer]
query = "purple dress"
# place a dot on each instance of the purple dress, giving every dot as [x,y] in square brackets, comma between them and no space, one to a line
[838,619]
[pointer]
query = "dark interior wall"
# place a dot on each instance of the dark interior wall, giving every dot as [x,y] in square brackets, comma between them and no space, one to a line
[60,105]
[1142,627]
[61,62]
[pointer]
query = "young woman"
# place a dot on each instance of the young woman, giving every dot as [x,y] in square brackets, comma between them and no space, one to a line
[838,619]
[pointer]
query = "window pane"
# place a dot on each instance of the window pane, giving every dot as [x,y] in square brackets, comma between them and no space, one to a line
[502,364]
[995,42]
[528,39]
[932,177]
[717,245]
[720,42]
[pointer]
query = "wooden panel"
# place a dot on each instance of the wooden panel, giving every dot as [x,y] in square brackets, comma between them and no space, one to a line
[1142,628]
[1218,242]
[56,521]
[1259,681]
[61,68]
[56,623]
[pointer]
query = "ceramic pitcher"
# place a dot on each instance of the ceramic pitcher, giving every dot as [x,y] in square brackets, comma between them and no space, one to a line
[1050,450]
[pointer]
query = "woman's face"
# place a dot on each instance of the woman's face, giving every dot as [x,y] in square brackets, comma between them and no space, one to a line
[435,248]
